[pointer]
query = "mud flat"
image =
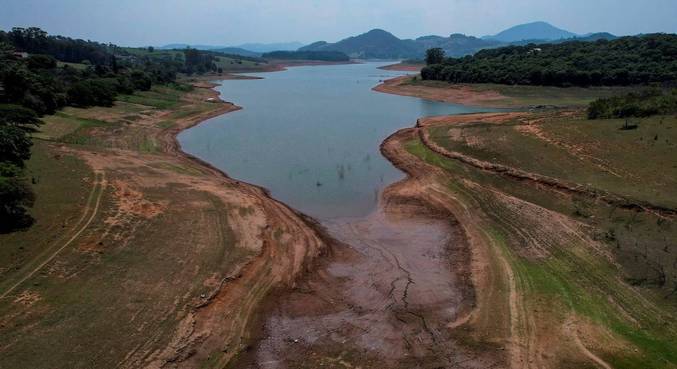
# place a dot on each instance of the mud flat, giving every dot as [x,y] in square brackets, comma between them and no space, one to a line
[403,67]
[386,298]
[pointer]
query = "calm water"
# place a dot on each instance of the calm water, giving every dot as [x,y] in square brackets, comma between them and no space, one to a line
[311,135]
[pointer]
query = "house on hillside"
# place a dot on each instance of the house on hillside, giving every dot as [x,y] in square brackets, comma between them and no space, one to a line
[20,54]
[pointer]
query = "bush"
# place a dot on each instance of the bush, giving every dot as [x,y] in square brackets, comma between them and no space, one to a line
[641,104]
[95,92]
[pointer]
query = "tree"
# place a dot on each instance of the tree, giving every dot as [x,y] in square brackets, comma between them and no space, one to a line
[18,116]
[16,197]
[15,145]
[434,56]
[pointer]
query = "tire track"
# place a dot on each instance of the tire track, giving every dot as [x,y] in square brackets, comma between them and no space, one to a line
[100,183]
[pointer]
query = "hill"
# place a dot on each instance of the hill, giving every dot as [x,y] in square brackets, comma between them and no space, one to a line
[625,61]
[331,56]
[220,49]
[457,44]
[375,44]
[265,48]
[237,51]
[532,31]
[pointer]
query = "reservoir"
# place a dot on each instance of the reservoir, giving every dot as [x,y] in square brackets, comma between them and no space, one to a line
[311,135]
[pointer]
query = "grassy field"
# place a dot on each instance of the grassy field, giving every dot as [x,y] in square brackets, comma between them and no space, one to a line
[610,270]
[633,163]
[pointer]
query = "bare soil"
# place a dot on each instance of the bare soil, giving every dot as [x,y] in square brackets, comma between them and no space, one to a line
[401,67]
[456,94]
[389,297]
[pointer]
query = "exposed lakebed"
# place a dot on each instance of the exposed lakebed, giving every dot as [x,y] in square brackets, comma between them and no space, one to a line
[311,136]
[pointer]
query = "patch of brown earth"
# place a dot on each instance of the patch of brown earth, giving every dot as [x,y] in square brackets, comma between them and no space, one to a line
[387,300]
[404,67]
[456,94]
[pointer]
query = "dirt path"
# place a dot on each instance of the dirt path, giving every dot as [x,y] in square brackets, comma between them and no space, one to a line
[572,329]
[91,209]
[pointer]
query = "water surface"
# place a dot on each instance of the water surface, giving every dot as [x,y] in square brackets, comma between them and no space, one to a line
[311,135]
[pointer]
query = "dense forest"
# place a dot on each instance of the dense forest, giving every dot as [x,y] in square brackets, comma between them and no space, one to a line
[624,61]
[332,56]
[635,104]
[40,74]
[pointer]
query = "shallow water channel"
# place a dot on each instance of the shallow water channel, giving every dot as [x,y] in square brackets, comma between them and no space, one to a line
[311,136]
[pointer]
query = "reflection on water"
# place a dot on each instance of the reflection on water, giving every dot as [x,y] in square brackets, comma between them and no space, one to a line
[311,135]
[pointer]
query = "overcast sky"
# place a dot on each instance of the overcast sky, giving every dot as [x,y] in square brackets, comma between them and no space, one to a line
[225,22]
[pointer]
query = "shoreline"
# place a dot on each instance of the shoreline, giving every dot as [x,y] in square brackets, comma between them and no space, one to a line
[400,67]
[310,223]
[461,94]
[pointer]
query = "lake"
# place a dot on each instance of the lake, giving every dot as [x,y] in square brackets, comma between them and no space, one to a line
[311,135]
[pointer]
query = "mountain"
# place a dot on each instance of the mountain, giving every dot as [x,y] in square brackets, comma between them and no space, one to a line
[457,44]
[237,51]
[532,31]
[379,44]
[264,48]
[183,46]
[375,44]
[597,36]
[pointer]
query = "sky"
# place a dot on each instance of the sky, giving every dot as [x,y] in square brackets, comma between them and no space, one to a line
[225,22]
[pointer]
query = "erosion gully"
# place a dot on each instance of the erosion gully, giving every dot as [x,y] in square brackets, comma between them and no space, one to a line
[385,297]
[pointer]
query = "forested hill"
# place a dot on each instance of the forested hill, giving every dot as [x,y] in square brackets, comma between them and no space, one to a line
[40,74]
[375,44]
[624,61]
[331,56]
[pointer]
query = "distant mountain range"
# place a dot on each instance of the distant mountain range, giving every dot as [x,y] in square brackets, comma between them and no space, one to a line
[380,44]
[265,48]
[250,50]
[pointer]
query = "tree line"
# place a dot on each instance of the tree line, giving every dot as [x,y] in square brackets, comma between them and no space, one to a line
[625,61]
[36,79]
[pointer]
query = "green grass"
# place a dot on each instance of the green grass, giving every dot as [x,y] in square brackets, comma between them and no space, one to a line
[635,163]
[61,186]
[159,98]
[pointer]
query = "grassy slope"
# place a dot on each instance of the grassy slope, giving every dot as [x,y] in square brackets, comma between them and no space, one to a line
[113,286]
[634,163]
[628,327]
